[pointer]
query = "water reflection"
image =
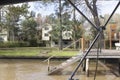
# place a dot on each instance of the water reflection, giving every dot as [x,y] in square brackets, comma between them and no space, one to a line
[37,70]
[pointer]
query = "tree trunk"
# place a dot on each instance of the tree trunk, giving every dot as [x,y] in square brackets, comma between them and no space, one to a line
[93,9]
[60,37]
[74,26]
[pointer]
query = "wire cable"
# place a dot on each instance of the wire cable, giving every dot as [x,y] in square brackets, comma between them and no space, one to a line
[99,48]
[96,68]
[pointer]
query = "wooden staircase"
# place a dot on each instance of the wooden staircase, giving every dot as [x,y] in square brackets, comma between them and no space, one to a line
[65,64]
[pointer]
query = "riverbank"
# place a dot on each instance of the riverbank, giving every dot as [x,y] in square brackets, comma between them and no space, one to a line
[36,57]
[36,53]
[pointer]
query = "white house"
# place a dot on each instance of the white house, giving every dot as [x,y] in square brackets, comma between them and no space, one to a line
[3,36]
[45,32]
[67,35]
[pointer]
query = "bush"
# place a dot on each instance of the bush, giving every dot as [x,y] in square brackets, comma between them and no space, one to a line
[33,43]
[13,44]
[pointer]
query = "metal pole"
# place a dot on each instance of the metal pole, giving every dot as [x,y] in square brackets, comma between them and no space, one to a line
[84,56]
[100,30]
[83,15]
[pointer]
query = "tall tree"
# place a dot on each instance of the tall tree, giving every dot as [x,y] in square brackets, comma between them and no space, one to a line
[2,11]
[29,31]
[92,5]
[13,15]
[60,25]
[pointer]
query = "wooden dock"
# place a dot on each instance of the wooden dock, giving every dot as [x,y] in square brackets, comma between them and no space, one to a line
[92,55]
[104,54]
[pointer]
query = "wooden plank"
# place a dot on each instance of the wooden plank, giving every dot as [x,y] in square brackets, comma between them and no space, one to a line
[64,64]
[104,54]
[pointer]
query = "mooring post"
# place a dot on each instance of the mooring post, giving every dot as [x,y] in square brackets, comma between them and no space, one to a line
[83,49]
[87,67]
[48,64]
[119,66]
[82,44]
[84,65]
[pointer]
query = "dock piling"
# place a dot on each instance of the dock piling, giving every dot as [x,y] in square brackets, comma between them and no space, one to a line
[87,67]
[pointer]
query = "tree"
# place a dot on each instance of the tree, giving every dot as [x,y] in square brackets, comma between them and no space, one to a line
[29,31]
[92,5]
[13,15]
[40,23]
[1,15]
[63,17]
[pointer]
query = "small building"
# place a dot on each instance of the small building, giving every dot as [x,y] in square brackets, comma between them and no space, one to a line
[67,35]
[66,38]
[46,32]
[3,36]
[46,36]
[113,35]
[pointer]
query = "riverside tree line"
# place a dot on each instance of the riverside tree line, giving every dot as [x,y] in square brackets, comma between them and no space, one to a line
[22,25]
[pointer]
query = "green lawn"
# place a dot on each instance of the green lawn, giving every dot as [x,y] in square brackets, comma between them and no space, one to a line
[35,51]
[20,51]
[63,53]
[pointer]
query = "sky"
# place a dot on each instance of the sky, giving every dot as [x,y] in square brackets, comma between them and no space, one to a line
[105,7]
[42,10]
[108,7]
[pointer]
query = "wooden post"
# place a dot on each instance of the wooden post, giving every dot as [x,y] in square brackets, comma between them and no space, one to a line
[110,37]
[84,65]
[87,67]
[79,43]
[104,44]
[48,64]
[82,44]
[119,66]
[119,37]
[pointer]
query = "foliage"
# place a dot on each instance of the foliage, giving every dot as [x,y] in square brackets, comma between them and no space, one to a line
[12,17]
[29,31]
[118,29]
[13,44]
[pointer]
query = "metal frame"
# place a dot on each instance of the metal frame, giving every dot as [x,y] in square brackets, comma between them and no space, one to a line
[98,28]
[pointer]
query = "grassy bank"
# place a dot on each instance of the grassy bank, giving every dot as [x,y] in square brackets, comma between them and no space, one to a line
[63,53]
[35,51]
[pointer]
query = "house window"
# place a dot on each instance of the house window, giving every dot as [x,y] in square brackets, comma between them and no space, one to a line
[66,43]
[67,34]
[56,43]
[46,34]
[1,39]
[46,28]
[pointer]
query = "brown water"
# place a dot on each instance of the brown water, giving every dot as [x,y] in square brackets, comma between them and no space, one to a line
[37,70]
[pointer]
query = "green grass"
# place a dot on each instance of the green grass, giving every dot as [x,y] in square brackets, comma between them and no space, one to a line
[63,53]
[35,51]
[20,52]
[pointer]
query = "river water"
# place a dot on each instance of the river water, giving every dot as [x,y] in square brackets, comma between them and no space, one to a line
[11,69]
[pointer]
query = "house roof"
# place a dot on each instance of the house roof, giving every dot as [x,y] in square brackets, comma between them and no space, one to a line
[6,2]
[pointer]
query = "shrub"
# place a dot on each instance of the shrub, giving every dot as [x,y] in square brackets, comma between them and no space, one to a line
[13,44]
